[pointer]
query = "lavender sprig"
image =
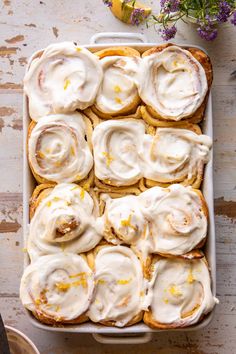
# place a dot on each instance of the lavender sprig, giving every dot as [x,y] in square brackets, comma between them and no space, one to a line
[170,5]
[137,16]
[168,33]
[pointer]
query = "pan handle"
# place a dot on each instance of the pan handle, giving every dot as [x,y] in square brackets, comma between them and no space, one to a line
[99,37]
[131,338]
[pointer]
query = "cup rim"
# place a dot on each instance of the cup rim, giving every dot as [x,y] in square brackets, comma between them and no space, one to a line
[21,334]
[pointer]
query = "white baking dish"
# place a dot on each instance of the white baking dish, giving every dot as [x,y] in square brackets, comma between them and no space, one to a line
[138,333]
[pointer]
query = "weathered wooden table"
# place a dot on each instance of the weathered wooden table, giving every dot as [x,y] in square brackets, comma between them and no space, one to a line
[28,25]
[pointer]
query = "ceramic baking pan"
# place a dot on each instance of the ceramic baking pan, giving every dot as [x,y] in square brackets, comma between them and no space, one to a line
[138,333]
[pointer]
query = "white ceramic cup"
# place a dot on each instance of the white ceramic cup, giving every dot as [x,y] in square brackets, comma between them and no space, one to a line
[19,343]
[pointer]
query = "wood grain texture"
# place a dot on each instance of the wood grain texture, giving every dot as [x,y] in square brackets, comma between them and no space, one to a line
[26,26]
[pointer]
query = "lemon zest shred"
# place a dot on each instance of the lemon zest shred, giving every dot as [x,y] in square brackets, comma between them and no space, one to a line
[82,194]
[66,84]
[72,151]
[174,290]
[56,199]
[63,286]
[127,223]
[108,157]
[38,302]
[123,281]
[82,274]
[190,278]
[117,89]
[118,100]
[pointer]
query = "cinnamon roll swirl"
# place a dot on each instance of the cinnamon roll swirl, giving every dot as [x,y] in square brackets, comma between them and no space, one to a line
[177,217]
[180,293]
[174,83]
[116,145]
[118,298]
[118,93]
[175,155]
[58,288]
[58,150]
[61,79]
[123,221]
[64,219]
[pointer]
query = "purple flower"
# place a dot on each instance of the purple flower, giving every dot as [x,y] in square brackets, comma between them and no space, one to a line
[233,20]
[168,33]
[170,5]
[224,11]
[137,16]
[107,3]
[207,32]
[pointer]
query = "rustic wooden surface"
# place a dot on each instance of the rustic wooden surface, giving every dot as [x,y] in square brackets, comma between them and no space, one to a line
[28,25]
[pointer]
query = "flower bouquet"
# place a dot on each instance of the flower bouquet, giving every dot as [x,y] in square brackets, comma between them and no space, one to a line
[207,14]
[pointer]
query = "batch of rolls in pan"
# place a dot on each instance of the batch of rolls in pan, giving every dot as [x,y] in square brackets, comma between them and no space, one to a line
[117,217]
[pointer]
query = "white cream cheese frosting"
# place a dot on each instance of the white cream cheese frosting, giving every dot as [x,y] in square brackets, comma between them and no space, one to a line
[58,150]
[123,221]
[57,286]
[175,154]
[118,89]
[160,220]
[64,78]
[116,145]
[119,289]
[123,153]
[172,82]
[176,217]
[64,221]
[181,291]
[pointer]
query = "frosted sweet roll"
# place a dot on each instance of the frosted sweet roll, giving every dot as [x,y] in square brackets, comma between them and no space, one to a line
[61,79]
[180,293]
[58,150]
[177,217]
[175,155]
[116,145]
[64,220]
[118,93]
[173,83]
[58,288]
[119,290]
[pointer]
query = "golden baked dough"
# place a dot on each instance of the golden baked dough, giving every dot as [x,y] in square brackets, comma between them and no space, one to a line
[122,98]
[145,183]
[102,276]
[59,123]
[184,286]
[151,116]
